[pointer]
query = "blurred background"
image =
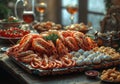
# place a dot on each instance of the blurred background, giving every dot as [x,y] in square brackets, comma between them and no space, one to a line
[90,11]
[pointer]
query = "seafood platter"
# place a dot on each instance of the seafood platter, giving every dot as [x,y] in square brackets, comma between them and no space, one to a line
[10,30]
[12,34]
[11,21]
[45,26]
[49,25]
[78,27]
[60,52]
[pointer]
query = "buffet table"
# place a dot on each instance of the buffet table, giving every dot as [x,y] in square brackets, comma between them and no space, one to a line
[26,78]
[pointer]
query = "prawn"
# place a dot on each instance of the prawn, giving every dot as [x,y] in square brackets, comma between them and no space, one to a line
[36,63]
[12,51]
[66,62]
[25,53]
[45,64]
[25,43]
[61,49]
[39,44]
[28,58]
[71,43]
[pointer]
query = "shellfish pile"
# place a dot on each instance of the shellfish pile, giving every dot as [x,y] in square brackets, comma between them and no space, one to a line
[45,26]
[89,57]
[109,51]
[42,53]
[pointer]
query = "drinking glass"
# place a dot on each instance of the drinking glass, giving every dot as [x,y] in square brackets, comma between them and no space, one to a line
[28,13]
[72,9]
[28,18]
[41,8]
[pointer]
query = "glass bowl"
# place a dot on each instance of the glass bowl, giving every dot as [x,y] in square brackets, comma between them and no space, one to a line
[92,73]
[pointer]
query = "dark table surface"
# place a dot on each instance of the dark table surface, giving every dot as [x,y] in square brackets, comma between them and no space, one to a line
[26,78]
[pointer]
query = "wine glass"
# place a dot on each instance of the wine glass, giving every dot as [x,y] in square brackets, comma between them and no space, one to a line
[41,7]
[72,9]
[28,17]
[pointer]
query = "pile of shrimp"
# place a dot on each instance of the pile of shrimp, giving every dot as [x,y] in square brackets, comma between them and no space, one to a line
[33,49]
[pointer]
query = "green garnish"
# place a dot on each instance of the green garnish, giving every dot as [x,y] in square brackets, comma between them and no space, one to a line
[52,37]
[6,20]
[10,19]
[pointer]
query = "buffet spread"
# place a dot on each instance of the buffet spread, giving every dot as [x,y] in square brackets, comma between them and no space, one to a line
[54,51]
[60,52]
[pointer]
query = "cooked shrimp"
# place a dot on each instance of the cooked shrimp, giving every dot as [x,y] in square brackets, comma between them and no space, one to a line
[51,61]
[40,45]
[52,64]
[64,34]
[73,62]
[28,58]
[79,38]
[43,46]
[52,50]
[78,35]
[71,43]
[25,43]
[66,62]
[89,43]
[58,64]
[61,49]
[36,63]
[45,61]
[25,53]
[12,51]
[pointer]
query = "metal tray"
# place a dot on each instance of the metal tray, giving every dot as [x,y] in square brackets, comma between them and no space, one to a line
[41,72]
[57,71]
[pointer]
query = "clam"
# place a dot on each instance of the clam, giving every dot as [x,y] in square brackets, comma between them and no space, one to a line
[81,51]
[91,56]
[101,56]
[98,52]
[87,61]
[77,54]
[107,58]
[91,51]
[81,57]
[75,58]
[86,53]
[79,62]
[96,60]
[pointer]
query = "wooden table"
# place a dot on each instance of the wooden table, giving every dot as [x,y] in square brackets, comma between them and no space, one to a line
[25,78]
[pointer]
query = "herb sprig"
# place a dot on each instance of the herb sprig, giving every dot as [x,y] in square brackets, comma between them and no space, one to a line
[53,37]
